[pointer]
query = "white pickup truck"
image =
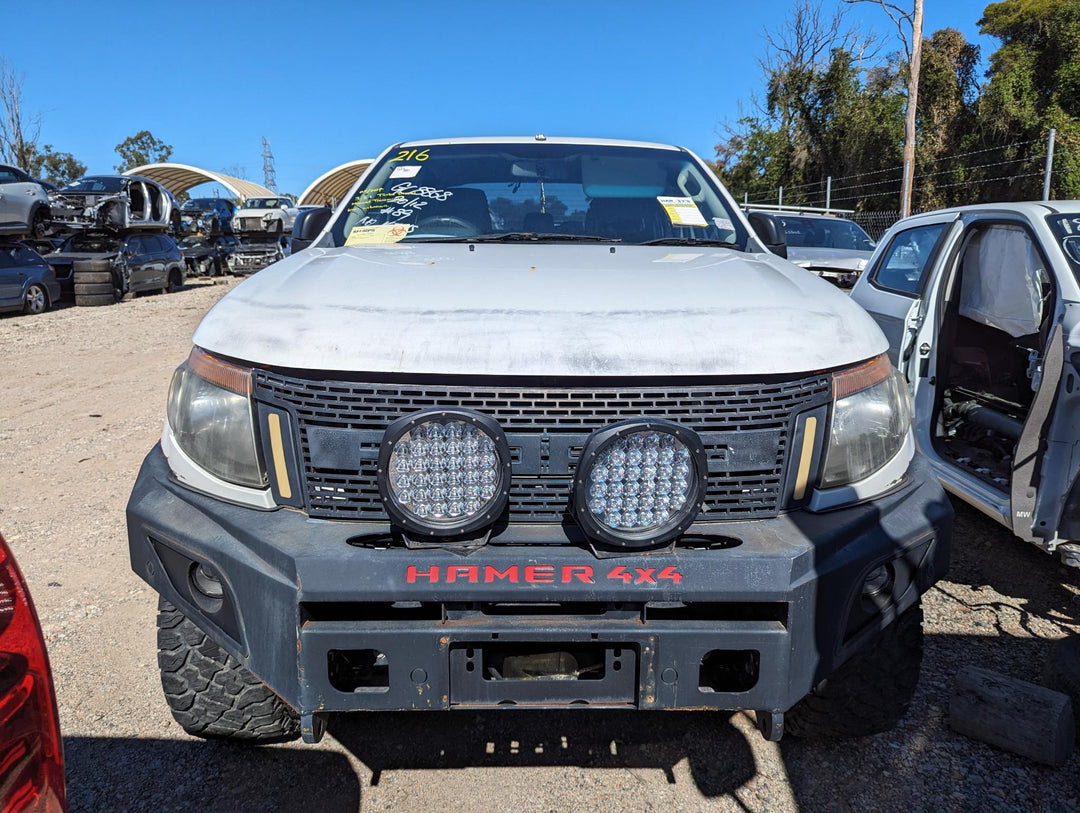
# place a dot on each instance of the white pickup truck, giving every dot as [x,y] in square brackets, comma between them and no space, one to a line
[537,422]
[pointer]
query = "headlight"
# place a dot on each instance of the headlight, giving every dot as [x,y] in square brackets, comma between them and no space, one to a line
[444,472]
[210,414]
[640,483]
[871,416]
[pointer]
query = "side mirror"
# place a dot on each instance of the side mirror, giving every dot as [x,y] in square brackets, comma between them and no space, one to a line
[770,230]
[307,226]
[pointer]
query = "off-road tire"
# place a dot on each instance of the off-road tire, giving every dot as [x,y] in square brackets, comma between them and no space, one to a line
[870,692]
[209,693]
[1061,672]
[94,300]
[93,288]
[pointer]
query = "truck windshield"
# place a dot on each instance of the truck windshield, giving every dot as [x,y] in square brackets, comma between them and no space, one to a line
[549,192]
[1067,230]
[825,232]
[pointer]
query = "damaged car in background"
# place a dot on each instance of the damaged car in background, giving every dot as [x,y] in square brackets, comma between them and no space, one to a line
[206,216]
[831,246]
[209,256]
[273,215]
[116,203]
[979,305]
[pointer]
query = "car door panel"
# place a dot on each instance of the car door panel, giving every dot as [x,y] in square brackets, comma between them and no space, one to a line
[1026,494]
[11,281]
[139,263]
[891,289]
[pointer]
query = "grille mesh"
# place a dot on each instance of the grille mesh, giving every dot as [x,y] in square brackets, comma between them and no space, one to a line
[354,494]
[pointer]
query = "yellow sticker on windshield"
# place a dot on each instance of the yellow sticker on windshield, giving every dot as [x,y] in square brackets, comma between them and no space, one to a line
[682,211]
[368,235]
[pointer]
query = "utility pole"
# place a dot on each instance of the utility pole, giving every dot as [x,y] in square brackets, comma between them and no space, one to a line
[269,176]
[1049,164]
[912,103]
[913,49]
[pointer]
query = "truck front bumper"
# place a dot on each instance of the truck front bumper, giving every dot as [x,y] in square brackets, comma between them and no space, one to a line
[748,615]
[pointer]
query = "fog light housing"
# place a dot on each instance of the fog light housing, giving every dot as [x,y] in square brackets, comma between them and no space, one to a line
[444,472]
[640,483]
[206,582]
[204,585]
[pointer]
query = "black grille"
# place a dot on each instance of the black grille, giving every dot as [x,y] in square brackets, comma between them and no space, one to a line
[535,411]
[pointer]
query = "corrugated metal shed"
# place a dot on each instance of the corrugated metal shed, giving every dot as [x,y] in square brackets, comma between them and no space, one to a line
[334,185]
[179,178]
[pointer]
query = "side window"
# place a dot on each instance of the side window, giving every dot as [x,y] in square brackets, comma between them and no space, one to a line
[26,256]
[136,246]
[6,258]
[7,176]
[907,259]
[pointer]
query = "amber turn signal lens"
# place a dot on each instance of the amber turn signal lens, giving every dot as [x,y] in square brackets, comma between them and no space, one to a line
[864,376]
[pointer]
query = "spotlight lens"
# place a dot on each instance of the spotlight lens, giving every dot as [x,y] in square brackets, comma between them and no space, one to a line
[444,470]
[640,481]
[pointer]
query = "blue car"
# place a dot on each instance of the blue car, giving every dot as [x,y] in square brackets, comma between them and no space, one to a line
[27,282]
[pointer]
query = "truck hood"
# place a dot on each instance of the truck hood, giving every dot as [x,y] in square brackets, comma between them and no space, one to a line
[539,310]
[844,259]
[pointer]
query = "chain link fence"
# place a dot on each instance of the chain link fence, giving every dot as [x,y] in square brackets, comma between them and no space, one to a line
[876,223]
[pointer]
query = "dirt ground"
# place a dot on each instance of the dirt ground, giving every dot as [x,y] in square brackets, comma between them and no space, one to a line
[83,399]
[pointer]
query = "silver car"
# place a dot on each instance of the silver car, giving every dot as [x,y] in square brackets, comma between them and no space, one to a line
[831,247]
[979,305]
[116,203]
[24,205]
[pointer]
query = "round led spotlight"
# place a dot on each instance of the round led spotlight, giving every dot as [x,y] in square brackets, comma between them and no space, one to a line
[640,483]
[444,472]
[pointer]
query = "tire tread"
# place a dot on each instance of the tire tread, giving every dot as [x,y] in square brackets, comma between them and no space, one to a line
[209,693]
[870,692]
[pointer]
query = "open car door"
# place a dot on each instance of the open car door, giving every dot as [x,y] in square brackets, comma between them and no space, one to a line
[893,289]
[1045,498]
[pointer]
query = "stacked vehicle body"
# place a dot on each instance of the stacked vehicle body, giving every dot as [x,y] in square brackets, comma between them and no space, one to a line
[119,239]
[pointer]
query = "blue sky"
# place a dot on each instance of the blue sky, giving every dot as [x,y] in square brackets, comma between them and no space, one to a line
[332,82]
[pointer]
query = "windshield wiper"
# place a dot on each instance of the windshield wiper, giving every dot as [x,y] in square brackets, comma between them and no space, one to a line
[528,237]
[688,241]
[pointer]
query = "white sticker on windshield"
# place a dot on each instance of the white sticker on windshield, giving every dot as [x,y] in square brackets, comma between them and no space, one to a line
[723,224]
[682,211]
[405,172]
[368,235]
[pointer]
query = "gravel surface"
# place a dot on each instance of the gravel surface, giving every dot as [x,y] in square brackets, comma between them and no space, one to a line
[83,400]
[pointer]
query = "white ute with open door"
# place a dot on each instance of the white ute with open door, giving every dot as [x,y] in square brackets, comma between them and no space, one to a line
[981,307]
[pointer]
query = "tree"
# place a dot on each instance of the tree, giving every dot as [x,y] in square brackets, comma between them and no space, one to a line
[1034,85]
[820,116]
[947,122]
[141,149]
[18,131]
[904,19]
[59,167]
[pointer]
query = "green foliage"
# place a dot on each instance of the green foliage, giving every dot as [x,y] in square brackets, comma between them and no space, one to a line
[841,116]
[59,167]
[141,149]
[1035,85]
